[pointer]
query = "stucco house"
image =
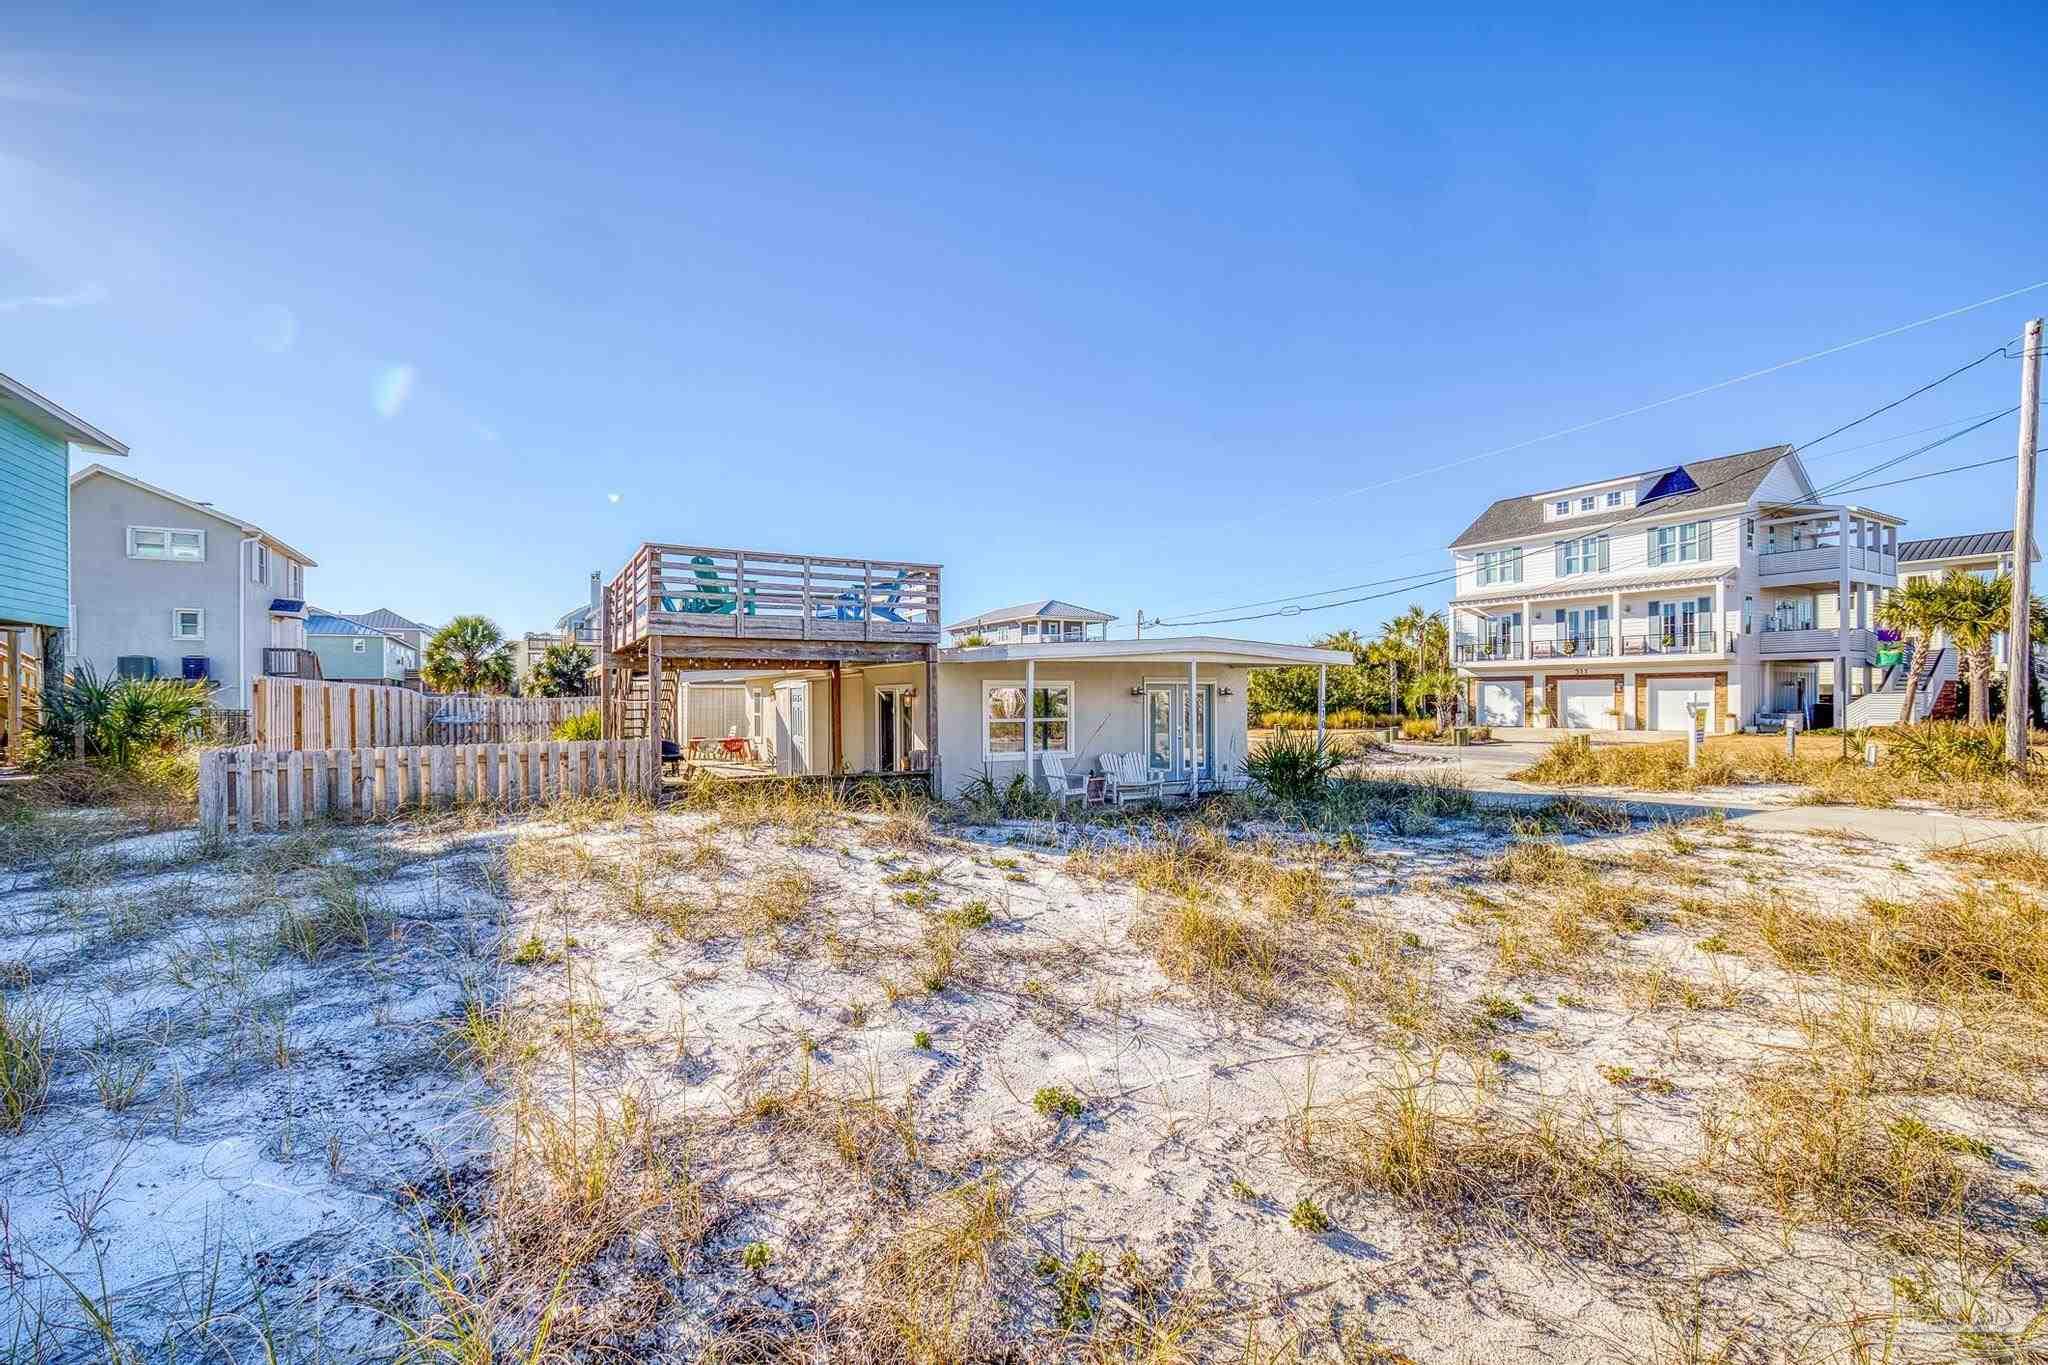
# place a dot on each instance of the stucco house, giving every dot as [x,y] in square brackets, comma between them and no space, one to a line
[1725,588]
[36,440]
[351,651]
[169,586]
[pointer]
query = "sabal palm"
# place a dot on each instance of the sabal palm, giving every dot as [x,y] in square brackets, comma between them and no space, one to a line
[1973,614]
[1915,611]
[469,654]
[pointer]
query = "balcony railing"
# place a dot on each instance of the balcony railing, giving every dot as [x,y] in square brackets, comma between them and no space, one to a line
[1489,651]
[1573,646]
[755,594]
[1695,641]
[290,663]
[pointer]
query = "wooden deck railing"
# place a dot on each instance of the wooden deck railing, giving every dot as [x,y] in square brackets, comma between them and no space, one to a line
[758,594]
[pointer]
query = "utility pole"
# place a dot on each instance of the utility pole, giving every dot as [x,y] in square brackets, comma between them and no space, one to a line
[2019,675]
[1141,623]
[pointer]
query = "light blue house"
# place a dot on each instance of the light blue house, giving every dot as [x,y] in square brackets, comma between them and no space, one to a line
[36,437]
[351,651]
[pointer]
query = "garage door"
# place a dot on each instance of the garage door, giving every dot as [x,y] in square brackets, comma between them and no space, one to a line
[1500,703]
[1585,704]
[1669,698]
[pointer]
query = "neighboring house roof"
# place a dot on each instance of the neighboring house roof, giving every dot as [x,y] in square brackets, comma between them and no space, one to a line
[1715,483]
[1176,649]
[383,618]
[320,622]
[25,403]
[573,620]
[1977,545]
[1051,607]
[248,528]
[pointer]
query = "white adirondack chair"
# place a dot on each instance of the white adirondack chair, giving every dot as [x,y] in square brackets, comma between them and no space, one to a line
[1062,785]
[1131,776]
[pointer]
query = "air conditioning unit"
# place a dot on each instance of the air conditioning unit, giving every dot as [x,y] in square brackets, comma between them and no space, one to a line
[135,666]
[195,667]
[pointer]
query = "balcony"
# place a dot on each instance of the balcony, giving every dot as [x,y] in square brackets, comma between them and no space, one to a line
[1489,651]
[290,663]
[1818,642]
[1824,564]
[690,590]
[1573,647]
[1658,644]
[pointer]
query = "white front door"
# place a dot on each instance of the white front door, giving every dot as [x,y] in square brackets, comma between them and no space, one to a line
[1176,741]
[1585,704]
[1500,703]
[793,729]
[1670,699]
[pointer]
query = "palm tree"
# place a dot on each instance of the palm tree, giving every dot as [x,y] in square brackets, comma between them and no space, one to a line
[1974,611]
[1915,611]
[469,654]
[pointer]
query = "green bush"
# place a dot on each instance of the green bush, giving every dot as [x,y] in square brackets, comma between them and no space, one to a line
[583,725]
[1350,718]
[1420,729]
[120,717]
[1948,749]
[1295,765]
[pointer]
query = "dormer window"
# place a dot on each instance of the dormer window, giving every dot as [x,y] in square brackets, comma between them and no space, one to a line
[1564,507]
[1586,503]
[1614,498]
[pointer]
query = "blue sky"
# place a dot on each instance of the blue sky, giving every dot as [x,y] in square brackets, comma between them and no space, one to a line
[1111,306]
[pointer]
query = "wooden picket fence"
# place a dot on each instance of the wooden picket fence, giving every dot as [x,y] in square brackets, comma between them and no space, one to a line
[289,714]
[246,789]
[304,713]
[463,719]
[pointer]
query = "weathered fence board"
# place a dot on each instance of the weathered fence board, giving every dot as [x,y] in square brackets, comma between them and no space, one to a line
[249,789]
[303,714]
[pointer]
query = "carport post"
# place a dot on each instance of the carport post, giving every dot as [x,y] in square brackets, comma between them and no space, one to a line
[1030,715]
[1322,698]
[1194,759]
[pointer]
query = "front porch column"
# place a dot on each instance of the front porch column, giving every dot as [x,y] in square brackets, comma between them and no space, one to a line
[1030,703]
[654,710]
[1614,627]
[1194,760]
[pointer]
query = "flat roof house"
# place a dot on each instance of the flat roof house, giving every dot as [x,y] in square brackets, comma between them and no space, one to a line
[1721,586]
[36,440]
[169,586]
[844,674]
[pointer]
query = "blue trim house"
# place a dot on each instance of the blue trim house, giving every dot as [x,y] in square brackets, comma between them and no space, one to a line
[35,504]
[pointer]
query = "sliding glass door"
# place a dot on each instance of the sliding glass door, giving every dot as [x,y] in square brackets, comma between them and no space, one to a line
[1177,740]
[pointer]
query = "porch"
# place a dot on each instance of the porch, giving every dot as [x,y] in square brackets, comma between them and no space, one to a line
[1681,618]
[1805,544]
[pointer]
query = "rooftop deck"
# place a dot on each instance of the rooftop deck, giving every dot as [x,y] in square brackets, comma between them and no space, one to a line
[702,592]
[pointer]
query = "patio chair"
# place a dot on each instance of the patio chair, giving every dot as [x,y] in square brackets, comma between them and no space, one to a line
[1061,785]
[1131,776]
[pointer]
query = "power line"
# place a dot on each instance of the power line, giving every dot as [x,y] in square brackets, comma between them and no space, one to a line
[1641,513]
[1933,474]
[1693,393]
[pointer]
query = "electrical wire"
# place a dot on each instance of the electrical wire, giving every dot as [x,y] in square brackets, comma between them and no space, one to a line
[1209,619]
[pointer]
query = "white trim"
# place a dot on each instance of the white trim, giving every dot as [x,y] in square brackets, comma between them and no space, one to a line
[198,612]
[1072,719]
[74,430]
[1164,649]
[248,529]
[167,557]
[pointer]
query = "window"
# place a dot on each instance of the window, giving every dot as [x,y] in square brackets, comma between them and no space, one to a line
[294,579]
[1564,507]
[1748,615]
[1685,544]
[1031,630]
[1614,498]
[1588,554]
[361,645]
[163,542]
[1586,503]
[1002,719]
[259,563]
[1076,630]
[1749,533]
[1500,566]
[188,623]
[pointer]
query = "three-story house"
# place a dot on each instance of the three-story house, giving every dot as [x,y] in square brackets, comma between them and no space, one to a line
[1724,589]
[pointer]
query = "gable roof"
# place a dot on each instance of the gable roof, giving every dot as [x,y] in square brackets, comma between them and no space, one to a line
[383,618]
[248,528]
[1978,544]
[1035,611]
[1716,482]
[320,622]
[38,411]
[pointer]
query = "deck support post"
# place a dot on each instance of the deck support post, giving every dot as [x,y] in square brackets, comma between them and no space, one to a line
[14,696]
[1195,758]
[654,711]
[838,739]
[1030,714]
[931,722]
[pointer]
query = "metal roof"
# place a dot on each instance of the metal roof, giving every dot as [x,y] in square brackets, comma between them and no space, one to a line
[1722,480]
[1051,607]
[1978,544]
[383,618]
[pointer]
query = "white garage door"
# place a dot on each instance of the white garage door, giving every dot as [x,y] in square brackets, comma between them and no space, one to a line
[1500,703]
[1669,697]
[1585,704]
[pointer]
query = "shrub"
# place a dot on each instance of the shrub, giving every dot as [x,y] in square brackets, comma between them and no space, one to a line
[1295,765]
[582,725]
[1350,718]
[1420,729]
[1945,749]
[120,717]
